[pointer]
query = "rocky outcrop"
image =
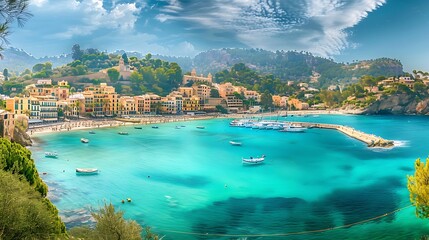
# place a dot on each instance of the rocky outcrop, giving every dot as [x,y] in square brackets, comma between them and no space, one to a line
[21,137]
[398,104]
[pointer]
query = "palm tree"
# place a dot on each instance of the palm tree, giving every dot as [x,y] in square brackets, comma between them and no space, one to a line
[77,105]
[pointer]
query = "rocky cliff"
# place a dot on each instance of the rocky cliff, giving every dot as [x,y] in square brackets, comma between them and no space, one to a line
[21,137]
[399,104]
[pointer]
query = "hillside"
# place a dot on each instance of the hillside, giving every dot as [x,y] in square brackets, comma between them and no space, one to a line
[17,60]
[289,65]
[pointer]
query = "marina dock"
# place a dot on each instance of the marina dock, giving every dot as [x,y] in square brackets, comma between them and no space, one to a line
[370,139]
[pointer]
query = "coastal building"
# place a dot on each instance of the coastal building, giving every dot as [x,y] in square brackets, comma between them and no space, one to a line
[101,100]
[280,101]
[297,104]
[314,78]
[186,91]
[76,105]
[202,91]
[194,78]
[127,105]
[172,103]
[407,81]
[60,92]
[192,104]
[7,124]
[48,108]
[211,103]
[234,104]
[248,94]
[226,89]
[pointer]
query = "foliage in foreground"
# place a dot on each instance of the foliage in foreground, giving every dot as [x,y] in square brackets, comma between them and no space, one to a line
[418,185]
[24,213]
[111,225]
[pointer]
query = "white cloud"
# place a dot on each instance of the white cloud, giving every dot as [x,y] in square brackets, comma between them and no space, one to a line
[38,3]
[318,26]
[91,15]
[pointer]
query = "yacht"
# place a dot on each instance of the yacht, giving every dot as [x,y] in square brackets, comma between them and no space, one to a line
[252,160]
[51,154]
[84,140]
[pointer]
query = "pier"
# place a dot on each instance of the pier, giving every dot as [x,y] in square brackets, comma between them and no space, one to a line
[370,139]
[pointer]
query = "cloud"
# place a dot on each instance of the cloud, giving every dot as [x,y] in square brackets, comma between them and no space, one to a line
[38,3]
[90,15]
[318,26]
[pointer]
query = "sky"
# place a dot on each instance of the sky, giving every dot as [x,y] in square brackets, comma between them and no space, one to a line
[344,30]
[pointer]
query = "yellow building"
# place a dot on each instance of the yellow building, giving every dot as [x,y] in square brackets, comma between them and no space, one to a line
[172,103]
[60,92]
[101,100]
[194,78]
[226,89]
[192,104]
[187,91]
[297,104]
[127,105]
[202,91]
[248,94]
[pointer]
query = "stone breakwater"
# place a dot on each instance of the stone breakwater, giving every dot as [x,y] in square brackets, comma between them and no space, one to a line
[370,139]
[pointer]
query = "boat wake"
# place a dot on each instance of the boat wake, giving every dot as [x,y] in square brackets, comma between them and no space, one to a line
[401,143]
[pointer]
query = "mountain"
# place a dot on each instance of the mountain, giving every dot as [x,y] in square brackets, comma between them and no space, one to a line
[286,65]
[17,60]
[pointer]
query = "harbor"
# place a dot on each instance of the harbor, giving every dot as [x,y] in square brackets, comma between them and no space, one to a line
[371,140]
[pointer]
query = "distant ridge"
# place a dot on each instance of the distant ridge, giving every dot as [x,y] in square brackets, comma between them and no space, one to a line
[286,65]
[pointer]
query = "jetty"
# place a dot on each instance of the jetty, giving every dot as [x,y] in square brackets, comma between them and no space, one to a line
[370,139]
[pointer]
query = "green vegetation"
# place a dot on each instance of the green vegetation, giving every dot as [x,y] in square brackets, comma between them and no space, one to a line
[418,185]
[23,197]
[298,66]
[24,213]
[111,225]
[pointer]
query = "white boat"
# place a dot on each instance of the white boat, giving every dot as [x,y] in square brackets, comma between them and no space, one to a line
[84,140]
[233,143]
[87,170]
[201,127]
[123,133]
[252,160]
[51,154]
[295,129]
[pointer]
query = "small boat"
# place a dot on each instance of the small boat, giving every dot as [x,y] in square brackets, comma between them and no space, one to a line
[252,160]
[233,143]
[87,170]
[155,127]
[294,129]
[123,133]
[84,140]
[51,154]
[138,128]
[91,132]
[183,126]
[201,127]
[177,127]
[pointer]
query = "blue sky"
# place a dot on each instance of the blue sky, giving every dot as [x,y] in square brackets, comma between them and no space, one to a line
[345,30]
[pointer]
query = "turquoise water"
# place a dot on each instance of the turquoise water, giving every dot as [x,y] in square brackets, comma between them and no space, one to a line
[192,180]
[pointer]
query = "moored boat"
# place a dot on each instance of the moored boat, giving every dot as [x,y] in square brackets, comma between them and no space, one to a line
[294,129]
[138,128]
[201,127]
[123,133]
[84,140]
[87,170]
[252,160]
[234,143]
[155,127]
[51,154]
[91,132]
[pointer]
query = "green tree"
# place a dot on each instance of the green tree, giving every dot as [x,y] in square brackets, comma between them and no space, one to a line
[125,57]
[24,213]
[113,74]
[418,186]
[214,93]
[38,67]
[76,52]
[6,74]
[266,100]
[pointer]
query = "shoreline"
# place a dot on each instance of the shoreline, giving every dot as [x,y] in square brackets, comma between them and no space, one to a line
[88,124]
